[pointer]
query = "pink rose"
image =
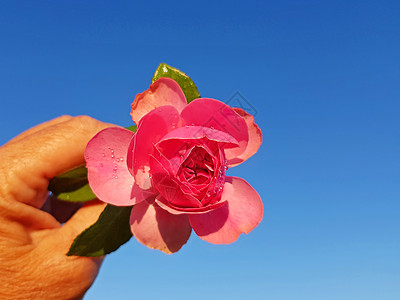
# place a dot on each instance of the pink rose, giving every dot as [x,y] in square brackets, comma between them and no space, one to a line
[172,170]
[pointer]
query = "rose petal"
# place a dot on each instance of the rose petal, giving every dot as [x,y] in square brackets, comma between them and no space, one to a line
[152,127]
[106,161]
[187,211]
[164,91]
[217,115]
[158,229]
[199,132]
[224,225]
[226,193]
[255,138]
[170,166]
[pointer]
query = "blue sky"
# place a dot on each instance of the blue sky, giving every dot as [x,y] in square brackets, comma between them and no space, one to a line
[324,79]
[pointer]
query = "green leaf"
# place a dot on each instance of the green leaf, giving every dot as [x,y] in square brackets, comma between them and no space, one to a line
[72,186]
[132,128]
[187,85]
[109,232]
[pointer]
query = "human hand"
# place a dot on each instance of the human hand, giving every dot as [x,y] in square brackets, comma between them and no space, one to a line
[33,244]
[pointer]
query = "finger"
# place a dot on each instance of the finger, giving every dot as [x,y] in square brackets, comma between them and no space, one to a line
[27,165]
[82,219]
[39,127]
[59,147]
[74,274]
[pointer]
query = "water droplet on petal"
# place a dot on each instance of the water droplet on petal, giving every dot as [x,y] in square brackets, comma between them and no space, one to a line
[212,127]
[121,159]
[104,155]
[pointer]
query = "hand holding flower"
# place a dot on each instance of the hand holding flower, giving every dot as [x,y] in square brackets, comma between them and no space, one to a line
[33,243]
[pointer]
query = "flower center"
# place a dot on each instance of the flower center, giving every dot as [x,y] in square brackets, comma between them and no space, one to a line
[198,166]
[203,173]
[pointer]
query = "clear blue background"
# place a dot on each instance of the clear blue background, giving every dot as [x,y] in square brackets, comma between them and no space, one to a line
[324,78]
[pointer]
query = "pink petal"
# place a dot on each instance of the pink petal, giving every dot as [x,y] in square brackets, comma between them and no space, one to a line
[186,211]
[158,229]
[215,114]
[226,194]
[255,138]
[199,132]
[164,91]
[224,225]
[108,174]
[152,127]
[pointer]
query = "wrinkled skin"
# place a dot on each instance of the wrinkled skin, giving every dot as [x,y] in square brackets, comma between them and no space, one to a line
[172,170]
[33,244]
